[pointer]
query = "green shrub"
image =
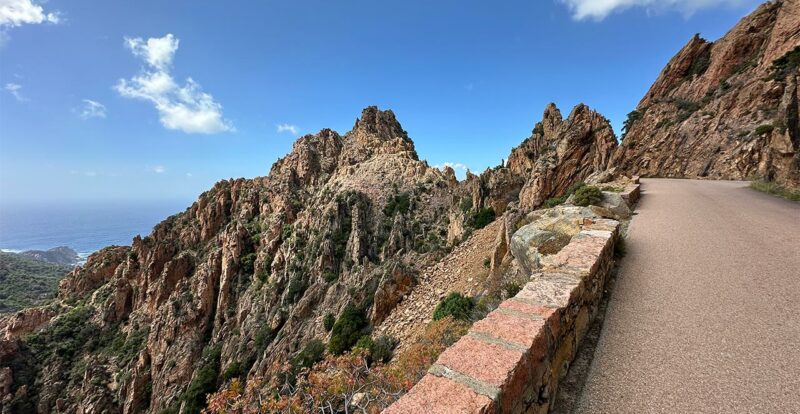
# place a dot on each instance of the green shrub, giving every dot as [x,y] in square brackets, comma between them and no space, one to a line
[482,217]
[633,116]
[786,64]
[297,286]
[312,353]
[380,350]
[347,330]
[538,128]
[248,263]
[511,289]
[330,276]
[588,195]
[664,123]
[466,204]
[263,338]
[383,350]
[555,201]
[575,187]
[487,262]
[204,381]
[328,321]
[764,129]
[455,305]
[399,203]
[612,189]
[286,232]
[699,65]
[234,370]
[685,108]
[365,342]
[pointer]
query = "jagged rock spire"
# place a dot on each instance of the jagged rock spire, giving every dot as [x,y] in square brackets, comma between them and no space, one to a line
[378,132]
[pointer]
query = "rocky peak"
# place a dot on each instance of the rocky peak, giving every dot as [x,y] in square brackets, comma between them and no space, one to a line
[551,119]
[312,157]
[378,132]
[382,124]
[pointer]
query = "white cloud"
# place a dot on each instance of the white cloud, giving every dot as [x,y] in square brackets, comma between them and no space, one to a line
[15,13]
[189,175]
[158,169]
[14,90]
[186,108]
[91,173]
[92,109]
[288,128]
[158,52]
[600,9]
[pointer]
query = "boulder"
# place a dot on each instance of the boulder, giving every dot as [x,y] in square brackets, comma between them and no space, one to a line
[616,204]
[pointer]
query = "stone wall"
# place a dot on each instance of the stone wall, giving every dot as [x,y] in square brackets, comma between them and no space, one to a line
[512,360]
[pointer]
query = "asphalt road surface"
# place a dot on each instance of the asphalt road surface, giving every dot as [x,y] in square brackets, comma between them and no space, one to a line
[705,314]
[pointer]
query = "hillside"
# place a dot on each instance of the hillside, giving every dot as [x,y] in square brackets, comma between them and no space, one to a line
[58,255]
[726,109]
[246,278]
[25,282]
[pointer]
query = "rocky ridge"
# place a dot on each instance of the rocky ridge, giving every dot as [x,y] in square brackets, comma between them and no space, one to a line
[726,109]
[243,280]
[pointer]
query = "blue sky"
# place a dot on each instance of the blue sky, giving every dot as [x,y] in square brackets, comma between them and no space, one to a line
[95,103]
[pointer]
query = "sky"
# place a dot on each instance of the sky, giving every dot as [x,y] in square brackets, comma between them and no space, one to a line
[154,100]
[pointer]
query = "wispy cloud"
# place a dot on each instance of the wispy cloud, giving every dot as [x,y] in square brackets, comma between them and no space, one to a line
[600,9]
[186,108]
[92,109]
[14,90]
[90,173]
[14,13]
[158,169]
[288,128]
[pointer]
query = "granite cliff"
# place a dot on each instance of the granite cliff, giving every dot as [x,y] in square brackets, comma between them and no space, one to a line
[726,109]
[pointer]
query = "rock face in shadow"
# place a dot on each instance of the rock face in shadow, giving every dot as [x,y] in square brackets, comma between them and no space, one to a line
[724,110]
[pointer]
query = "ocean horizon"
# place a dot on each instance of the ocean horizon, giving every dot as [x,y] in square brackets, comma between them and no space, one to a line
[83,226]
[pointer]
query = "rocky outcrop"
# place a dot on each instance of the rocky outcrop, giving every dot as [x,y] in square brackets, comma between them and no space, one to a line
[561,152]
[98,270]
[724,110]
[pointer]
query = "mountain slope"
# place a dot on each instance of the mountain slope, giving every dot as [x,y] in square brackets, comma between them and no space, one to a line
[244,280]
[727,109]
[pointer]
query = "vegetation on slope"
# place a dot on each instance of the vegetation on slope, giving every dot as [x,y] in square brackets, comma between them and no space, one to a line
[26,282]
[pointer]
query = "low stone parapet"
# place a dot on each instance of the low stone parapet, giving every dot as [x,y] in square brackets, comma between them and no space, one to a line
[631,193]
[512,360]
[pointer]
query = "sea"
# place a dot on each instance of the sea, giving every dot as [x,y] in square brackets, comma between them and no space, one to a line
[83,226]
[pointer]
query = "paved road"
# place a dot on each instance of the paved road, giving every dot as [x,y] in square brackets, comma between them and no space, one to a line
[705,315]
